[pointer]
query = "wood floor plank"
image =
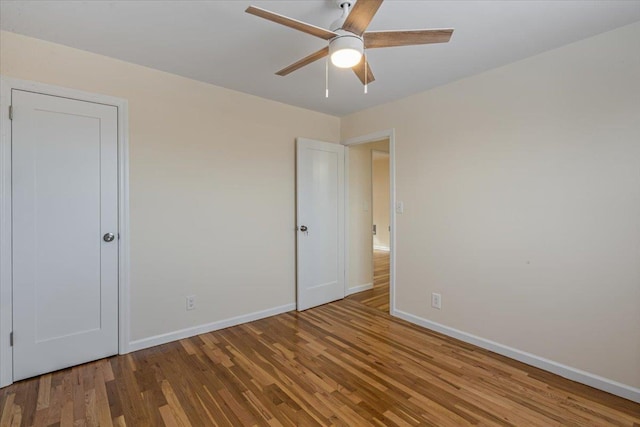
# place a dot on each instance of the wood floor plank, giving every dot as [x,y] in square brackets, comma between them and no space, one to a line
[44,392]
[16,416]
[348,363]
[119,421]
[169,417]
[102,400]
[174,405]
[7,410]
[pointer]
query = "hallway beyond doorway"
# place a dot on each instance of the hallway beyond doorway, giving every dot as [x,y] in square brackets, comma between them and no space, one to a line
[378,296]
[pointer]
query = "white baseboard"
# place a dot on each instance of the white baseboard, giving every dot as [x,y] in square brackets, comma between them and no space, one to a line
[381,248]
[358,288]
[595,381]
[203,329]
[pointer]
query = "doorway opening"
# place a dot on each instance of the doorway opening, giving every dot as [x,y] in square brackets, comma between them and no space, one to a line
[381,228]
[370,221]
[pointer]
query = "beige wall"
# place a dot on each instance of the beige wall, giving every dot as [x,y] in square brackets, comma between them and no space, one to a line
[380,198]
[211,179]
[360,251]
[521,188]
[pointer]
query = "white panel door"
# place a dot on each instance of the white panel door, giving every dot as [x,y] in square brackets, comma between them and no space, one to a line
[320,218]
[65,273]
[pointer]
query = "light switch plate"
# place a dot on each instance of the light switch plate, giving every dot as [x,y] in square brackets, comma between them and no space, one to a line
[191,302]
[436,300]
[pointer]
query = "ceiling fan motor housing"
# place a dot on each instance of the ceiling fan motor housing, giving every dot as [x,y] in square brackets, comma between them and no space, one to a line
[346,40]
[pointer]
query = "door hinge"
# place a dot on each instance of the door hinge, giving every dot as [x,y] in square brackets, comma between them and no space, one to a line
[11,339]
[10,112]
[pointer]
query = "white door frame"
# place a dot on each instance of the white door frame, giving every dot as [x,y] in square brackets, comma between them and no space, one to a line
[372,137]
[6,303]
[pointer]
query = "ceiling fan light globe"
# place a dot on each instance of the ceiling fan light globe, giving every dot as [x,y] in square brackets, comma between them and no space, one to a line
[346,50]
[346,58]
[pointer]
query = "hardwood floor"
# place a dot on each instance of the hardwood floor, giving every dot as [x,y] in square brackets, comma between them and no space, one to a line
[347,363]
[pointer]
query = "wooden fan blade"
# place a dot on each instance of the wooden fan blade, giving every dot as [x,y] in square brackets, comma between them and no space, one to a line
[361,15]
[292,23]
[376,39]
[360,72]
[304,61]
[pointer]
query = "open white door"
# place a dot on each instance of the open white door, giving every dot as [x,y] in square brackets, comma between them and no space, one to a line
[320,222]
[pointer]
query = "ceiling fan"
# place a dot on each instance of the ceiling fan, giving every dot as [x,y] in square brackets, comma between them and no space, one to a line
[348,37]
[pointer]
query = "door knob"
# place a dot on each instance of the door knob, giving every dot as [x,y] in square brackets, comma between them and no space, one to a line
[303,228]
[108,237]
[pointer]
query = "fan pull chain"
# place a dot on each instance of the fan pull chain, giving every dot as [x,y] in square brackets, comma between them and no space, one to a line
[366,68]
[326,78]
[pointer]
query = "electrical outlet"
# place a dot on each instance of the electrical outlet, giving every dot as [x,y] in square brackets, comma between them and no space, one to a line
[436,301]
[191,302]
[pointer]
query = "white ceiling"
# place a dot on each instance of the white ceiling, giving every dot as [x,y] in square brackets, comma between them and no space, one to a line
[216,42]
